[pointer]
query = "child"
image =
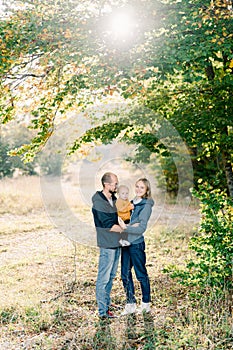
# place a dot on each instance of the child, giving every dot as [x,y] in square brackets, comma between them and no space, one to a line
[124,207]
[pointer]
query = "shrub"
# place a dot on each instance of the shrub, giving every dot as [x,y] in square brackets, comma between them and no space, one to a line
[213,243]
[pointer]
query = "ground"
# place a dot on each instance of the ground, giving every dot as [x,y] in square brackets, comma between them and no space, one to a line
[48,281]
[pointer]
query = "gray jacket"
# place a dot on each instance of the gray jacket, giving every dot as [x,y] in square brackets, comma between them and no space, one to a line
[140,214]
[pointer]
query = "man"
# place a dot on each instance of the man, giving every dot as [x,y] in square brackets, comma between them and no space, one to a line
[108,235]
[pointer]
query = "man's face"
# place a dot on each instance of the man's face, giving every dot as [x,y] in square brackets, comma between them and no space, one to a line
[112,186]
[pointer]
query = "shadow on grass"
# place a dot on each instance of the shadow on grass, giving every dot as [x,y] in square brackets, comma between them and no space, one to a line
[136,332]
[140,332]
[103,338]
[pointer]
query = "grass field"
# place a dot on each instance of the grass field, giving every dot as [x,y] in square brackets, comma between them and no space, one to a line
[48,283]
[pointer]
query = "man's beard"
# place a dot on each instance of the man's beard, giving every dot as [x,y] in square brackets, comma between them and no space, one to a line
[112,192]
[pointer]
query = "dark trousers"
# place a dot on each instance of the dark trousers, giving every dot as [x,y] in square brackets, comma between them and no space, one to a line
[134,256]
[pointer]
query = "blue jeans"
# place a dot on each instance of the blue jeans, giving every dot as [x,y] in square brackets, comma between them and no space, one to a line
[134,256]
[108,263]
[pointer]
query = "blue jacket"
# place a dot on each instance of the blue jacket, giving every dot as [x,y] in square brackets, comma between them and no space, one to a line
[105,216]
[141,214]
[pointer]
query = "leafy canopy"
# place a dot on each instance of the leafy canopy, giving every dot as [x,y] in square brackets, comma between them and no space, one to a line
[58,57]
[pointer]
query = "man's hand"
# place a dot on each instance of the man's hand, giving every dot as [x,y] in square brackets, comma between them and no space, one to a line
[116,228]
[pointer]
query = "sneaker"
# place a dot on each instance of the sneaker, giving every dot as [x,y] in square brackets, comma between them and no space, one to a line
[124,243]
[129,309]
[109,314]
[144,307]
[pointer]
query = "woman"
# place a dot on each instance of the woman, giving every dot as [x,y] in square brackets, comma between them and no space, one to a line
[134,255]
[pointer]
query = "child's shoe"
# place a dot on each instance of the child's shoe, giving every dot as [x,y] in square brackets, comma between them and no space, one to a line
[124,243]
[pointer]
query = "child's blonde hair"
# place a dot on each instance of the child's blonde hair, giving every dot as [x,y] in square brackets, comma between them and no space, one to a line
[121,187]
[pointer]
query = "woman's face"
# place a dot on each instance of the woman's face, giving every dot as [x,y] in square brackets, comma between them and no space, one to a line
[140,189]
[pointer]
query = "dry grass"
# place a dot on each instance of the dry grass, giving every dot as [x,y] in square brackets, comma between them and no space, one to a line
[21,206]
[20,196]
[48,288]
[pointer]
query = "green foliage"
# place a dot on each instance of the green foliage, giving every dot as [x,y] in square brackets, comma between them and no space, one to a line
[104,133]
[186,78]
[213,244]
[154,141]
[57,57]
[6,166]
[8,315]
[194,60]
[14,138]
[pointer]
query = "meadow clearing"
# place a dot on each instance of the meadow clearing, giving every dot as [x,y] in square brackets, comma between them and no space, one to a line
[47,280]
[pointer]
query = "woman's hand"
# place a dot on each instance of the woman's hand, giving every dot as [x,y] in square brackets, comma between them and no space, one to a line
[136,224]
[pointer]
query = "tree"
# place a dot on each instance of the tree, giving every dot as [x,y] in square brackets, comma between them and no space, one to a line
[198,93]
[13,136]
[6,168]
[179,65]
[40,64]
[53,57]
[187,79]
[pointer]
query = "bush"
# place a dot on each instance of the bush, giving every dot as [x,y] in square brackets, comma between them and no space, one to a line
[213,244]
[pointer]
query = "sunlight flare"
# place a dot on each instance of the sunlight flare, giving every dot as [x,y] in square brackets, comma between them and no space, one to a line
[122,25]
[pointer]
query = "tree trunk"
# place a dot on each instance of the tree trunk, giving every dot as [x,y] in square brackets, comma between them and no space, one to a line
[228,171]
[209,70]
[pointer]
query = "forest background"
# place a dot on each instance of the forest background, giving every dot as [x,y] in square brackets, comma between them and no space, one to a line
[143,87]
